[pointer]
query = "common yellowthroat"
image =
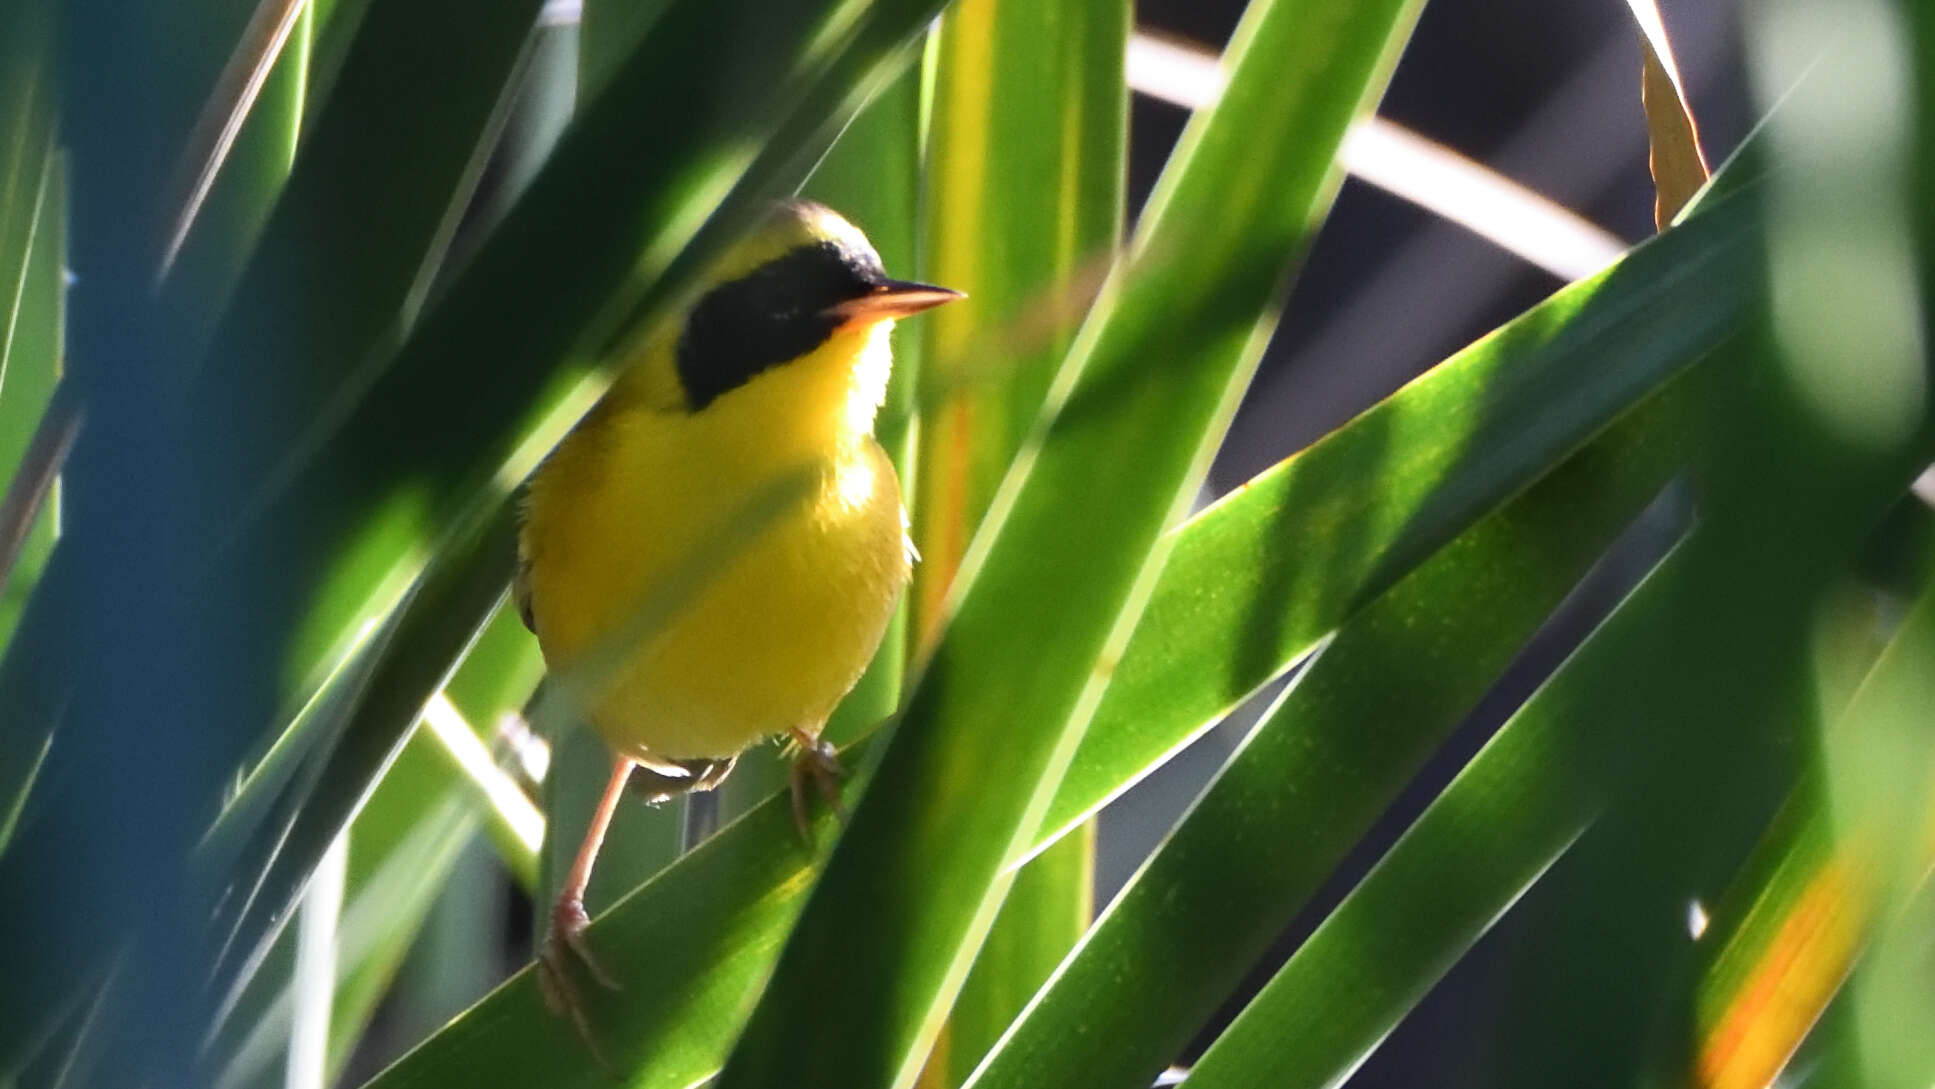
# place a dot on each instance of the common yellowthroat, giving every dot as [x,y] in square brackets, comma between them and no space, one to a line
[774,371]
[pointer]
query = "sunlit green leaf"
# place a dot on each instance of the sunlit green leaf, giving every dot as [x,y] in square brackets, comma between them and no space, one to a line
[1322,765]
[237,158]
[1689,691]
[1254,544]
[1023,211]
[1299,548]
[940,828]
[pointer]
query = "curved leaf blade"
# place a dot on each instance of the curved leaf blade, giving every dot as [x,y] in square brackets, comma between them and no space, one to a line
[1322,766]
[1455,442]
[1204,287]
[1689,678]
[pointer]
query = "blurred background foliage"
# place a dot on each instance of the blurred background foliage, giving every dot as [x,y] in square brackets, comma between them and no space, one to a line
[1385,618]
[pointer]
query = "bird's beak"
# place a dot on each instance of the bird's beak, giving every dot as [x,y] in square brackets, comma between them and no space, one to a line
[893,299]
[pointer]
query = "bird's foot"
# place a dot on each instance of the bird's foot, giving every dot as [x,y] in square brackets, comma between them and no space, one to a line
[564,947]
[818,762]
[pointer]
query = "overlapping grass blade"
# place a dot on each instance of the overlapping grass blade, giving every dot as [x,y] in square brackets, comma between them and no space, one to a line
[405,841]
[489,692]
[400,853]
[33,222]
[133,651]
[1199,296]
[121,259]
[1322,765]
[37,427]
[236,158]
[1453,443]
[627,189]
[1023,209]
[1834,873]
[442,618]
[1781,942]
[1023,205]
[446,346]
[871,175]
[299,359]
[1253,551]
[32,291]
[1512,812]
[1690,694]
[402,844]
[1825,880]
[1045,914]
[694,940]
[1848,360]
[364,209]
[26,143]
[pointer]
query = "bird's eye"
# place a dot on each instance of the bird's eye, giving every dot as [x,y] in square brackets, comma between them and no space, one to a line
[776,313]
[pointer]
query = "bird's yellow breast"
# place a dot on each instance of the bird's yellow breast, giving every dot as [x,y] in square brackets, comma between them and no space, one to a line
[701,580]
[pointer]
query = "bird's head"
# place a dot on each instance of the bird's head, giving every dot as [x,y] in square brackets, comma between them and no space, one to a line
[783,292]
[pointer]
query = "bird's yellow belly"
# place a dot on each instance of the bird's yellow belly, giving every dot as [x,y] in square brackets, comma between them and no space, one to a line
[690,625]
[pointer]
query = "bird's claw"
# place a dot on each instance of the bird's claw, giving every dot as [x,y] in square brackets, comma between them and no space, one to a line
[556,984]
[817,761]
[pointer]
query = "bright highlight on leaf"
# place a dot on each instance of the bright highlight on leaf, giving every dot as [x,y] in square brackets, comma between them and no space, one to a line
[506,799]
[228,107]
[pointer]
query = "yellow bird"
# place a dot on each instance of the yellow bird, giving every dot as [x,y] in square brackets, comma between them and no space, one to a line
[682,643]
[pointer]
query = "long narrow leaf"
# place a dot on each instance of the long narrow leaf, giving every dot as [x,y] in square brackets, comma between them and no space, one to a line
[1247,550]
[1199,296]
[871,175]
[1321,767]
[1024,202]
[238,158]
[1716,633]
[1456,441]
[627,189]
[1024,197]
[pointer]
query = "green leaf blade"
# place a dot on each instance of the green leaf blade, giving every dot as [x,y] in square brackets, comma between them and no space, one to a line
[935,826]
[692,966]
[1295,551]
[1320,768]
[1023,209]
[1686,695]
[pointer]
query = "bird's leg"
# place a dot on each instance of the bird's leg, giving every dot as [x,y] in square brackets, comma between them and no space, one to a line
[568,920]
[816,761]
